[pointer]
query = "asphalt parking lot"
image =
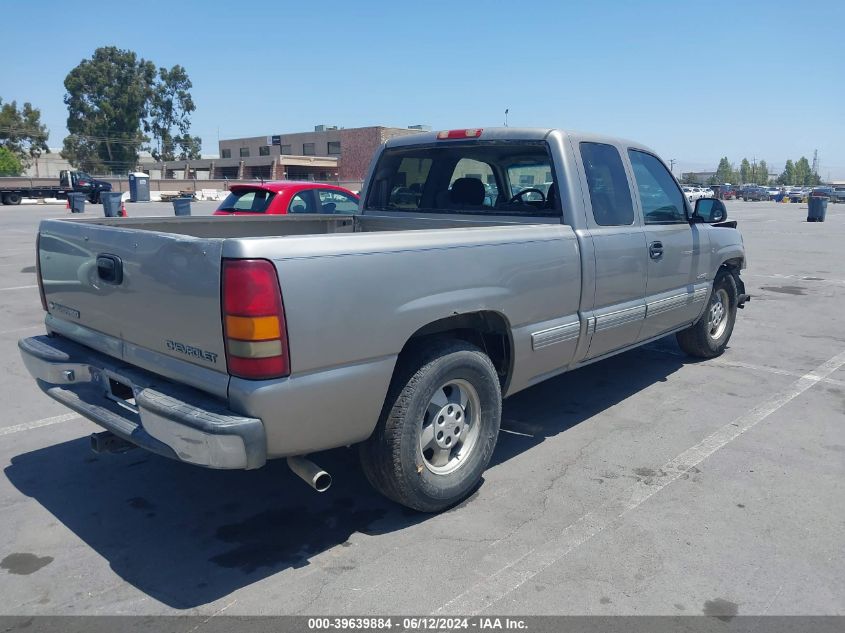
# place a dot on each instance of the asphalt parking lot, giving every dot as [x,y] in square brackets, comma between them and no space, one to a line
[646,484]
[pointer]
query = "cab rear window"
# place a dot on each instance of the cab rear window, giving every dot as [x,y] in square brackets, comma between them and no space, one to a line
[248,200]
[483,178]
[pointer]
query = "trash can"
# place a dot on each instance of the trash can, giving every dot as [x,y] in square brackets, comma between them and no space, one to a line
[182,206]
[816,209]
[76,201]
[139,187]
[112,201]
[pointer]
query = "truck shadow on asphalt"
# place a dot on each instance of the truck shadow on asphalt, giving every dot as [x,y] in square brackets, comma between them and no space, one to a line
[187,536]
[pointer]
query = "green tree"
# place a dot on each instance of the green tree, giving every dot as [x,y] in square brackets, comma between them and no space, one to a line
[787,176]
[724,173]
[21,131]
[803,173]
[10,164]
[745,171]
[107,98]
[169,119]
[762,173]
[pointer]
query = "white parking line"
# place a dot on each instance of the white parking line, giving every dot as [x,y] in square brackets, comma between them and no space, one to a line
[736,364]
[517,572]
[28,426]
[19,287]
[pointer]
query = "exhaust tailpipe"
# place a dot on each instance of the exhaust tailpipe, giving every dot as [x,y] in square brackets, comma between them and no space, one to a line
[108,442]
[310,473]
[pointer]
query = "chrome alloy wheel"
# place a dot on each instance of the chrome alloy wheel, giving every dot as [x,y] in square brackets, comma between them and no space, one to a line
[450,427]
[717,316]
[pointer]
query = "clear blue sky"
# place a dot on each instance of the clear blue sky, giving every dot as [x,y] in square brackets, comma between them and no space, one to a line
[695,80]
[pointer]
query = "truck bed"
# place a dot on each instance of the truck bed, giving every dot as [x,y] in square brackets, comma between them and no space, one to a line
[244,226]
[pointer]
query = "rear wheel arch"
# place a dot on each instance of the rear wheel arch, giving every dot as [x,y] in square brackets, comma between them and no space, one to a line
[486,329]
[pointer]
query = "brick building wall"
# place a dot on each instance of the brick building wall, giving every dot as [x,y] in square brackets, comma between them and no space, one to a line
[359,145]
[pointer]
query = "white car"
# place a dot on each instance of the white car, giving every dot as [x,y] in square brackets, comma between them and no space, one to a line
[706,192]
[691,193]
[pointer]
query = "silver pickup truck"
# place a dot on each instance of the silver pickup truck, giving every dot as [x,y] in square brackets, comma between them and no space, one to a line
[482,262]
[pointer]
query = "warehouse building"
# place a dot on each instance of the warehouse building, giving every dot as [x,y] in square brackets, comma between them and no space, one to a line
[329,153]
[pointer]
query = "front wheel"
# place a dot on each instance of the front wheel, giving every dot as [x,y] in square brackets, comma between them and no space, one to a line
[708,337]
[438,427]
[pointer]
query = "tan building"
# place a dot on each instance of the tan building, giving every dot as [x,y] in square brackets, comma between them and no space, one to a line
[329,153]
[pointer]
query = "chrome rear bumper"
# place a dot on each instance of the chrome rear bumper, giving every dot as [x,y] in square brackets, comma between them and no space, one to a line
[145,409]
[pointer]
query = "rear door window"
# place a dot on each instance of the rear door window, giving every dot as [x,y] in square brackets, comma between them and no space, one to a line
[332,201]
[249,201]
[303,202]
[610,195]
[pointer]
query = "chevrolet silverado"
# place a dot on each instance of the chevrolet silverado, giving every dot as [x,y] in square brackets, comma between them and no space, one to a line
[523,253]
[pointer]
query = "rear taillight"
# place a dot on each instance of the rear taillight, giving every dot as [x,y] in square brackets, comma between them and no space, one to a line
[38,272]
[254,320]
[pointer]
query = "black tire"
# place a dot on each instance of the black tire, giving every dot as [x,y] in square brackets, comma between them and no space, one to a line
[700,339]
[392,458]
[94,198]
[12,198]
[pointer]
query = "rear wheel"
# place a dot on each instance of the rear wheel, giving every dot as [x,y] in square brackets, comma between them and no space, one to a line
[12,198]
[438,427]
[708,337]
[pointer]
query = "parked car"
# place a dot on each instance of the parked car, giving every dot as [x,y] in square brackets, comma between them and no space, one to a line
[285,196]
[773,192]
[821,192]
[690,193]
[724,192]
[754,192]
[401,329]
[796,194]
[837,195]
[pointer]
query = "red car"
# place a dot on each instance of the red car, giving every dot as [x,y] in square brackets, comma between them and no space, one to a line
[284,196]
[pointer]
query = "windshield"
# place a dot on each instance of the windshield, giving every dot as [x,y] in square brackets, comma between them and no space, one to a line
[495,178]
[247,200]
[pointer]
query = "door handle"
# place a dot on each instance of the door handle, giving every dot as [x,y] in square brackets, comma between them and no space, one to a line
[655,250]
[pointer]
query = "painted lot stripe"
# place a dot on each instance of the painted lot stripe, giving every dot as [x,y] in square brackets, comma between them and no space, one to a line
[517,572]
[19,287]
[736,364]
[28,426]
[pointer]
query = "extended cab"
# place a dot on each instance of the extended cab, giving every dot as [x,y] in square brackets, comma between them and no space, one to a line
[523,253]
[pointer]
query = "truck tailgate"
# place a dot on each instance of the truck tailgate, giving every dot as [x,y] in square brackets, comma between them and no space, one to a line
[157,291]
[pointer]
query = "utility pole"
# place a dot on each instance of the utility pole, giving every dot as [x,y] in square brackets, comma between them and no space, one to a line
[506,116]
[672,165]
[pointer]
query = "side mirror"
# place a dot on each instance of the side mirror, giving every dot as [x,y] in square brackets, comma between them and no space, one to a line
[709,210]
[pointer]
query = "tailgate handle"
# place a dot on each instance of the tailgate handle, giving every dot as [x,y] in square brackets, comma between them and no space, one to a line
[110,269]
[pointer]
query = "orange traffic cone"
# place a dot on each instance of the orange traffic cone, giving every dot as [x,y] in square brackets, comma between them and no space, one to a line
[123,213]
[67,204]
